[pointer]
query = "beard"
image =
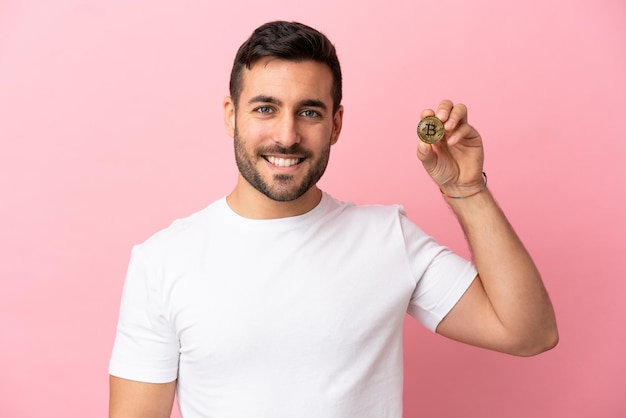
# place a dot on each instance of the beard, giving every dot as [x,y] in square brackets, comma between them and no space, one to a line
[281,187]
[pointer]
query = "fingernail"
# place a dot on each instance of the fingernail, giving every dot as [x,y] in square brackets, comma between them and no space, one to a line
[442,114]
[423,148]
[449,124]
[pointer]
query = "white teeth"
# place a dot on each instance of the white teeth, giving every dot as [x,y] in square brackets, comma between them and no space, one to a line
[283,162]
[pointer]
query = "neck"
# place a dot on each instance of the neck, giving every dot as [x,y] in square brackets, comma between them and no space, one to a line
[248,202]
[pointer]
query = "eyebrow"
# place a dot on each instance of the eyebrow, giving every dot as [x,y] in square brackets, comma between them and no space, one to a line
[313,103]
[303,103]
[264,99]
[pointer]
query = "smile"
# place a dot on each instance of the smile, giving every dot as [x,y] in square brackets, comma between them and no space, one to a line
[283,162]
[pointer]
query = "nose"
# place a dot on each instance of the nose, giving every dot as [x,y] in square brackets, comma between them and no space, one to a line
[286,131]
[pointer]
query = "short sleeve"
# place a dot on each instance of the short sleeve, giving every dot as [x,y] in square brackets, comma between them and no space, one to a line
[146,348]
[441,276]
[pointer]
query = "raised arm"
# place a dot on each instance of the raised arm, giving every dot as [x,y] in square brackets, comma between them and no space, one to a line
[131,399]
[507,308]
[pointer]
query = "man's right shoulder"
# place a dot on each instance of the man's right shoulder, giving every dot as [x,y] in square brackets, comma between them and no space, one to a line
[185,230]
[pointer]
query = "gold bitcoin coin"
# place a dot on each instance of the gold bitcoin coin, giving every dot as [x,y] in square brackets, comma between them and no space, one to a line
[430,130]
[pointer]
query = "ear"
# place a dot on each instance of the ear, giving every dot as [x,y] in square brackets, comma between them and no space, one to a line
[337,123]
[229,116]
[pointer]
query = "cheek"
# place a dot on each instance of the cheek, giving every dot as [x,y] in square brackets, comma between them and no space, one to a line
[253,130]
[320,133]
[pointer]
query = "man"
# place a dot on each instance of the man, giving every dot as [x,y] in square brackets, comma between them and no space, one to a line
[278,300]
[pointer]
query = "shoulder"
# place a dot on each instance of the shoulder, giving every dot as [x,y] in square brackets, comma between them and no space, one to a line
[185,231]
[373,220]
[365,212]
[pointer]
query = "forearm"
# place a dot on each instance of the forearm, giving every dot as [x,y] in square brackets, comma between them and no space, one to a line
[508,274]
[132,399]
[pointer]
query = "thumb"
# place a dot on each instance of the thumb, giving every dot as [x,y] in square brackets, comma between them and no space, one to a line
[426,155]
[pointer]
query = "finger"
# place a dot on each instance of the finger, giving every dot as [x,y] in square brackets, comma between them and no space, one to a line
[426,113]
[444,109]
[464,131]
[427,156]
[458,115]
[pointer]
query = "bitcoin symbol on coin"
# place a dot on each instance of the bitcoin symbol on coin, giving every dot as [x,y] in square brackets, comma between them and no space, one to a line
[430,130]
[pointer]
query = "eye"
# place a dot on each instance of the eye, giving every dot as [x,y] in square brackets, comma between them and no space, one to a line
[263,109]
[309,113]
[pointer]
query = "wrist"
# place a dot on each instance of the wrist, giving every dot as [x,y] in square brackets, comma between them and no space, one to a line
[464,193]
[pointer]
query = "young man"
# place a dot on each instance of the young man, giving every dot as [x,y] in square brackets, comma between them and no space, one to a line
[278,300]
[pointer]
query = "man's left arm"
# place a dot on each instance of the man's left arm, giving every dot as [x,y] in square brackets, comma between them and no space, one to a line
[507,307]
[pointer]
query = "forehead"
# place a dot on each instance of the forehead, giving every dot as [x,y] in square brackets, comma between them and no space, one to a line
[287,79]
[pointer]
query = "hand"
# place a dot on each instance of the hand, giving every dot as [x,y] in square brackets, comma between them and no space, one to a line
[456,162]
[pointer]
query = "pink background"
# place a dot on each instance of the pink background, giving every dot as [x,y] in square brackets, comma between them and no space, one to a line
[111,126]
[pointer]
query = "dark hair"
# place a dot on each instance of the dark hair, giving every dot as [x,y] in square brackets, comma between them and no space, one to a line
[291,41]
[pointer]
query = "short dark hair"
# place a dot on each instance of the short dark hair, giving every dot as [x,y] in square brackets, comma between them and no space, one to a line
[291,41]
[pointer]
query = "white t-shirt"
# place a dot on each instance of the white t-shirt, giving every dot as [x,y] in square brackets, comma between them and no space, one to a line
[292,317]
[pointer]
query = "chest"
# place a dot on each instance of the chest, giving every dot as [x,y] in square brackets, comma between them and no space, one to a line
[242,302]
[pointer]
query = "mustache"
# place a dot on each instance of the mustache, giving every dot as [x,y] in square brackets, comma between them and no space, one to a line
[295,149]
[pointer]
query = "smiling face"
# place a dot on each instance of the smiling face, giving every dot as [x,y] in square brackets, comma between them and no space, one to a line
[283,127]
